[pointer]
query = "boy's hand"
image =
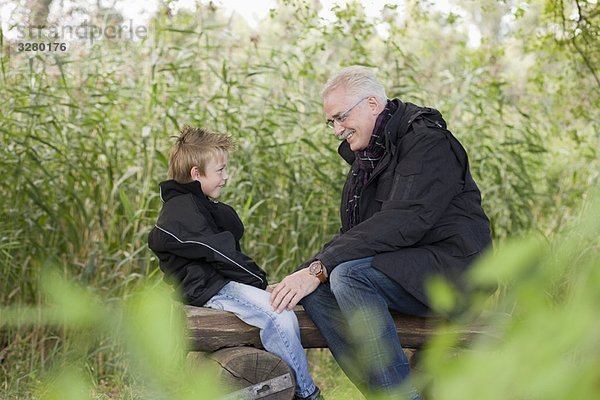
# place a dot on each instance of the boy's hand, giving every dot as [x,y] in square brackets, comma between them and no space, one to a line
[292,289]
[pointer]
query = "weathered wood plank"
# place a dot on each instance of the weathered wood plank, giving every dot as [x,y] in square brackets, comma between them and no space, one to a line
[210,330]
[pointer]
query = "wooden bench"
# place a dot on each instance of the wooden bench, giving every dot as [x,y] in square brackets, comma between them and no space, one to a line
[236,347]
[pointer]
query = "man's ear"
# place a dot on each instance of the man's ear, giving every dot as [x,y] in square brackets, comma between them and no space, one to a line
[195,173]
[375,106]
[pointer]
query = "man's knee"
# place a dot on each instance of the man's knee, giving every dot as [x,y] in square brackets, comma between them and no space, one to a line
[339,278]
[320,303]
[348,275]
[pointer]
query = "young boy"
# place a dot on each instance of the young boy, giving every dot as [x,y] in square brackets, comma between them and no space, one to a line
[197,241]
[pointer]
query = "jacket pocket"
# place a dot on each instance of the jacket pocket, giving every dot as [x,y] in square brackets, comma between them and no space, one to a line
[384,186]
[404,179]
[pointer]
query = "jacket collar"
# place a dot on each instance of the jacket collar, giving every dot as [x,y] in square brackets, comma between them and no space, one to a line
[171,188]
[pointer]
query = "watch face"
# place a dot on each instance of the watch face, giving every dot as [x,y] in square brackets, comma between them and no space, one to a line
[315,268]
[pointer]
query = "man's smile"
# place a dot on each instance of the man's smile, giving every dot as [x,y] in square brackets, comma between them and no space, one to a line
[346,134]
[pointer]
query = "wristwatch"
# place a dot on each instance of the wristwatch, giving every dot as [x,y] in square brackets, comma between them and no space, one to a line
[316,268]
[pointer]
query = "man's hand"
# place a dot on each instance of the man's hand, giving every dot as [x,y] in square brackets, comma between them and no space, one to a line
[292,289]
[270,287]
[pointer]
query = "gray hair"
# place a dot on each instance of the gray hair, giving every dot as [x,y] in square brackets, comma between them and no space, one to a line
[358,81]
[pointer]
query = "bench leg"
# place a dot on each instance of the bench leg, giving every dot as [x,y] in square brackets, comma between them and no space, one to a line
[252,373]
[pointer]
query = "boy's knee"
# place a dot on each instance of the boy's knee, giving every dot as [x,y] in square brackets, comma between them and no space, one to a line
[286,320]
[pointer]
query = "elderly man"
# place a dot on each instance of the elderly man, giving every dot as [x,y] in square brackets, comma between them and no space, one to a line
[410,211]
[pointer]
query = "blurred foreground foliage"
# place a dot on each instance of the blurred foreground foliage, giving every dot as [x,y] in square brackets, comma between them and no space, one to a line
[84,136]
[146,329]
[542,340]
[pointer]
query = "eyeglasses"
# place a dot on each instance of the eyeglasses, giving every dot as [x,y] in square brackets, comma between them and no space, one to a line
[340,118]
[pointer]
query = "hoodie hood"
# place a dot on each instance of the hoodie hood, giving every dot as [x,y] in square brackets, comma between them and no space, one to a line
[172,188]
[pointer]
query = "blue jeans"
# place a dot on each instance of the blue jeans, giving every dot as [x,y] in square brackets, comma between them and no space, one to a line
[279,333]
[352,313]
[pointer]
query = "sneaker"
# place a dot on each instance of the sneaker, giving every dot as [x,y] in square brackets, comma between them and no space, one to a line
[316,395]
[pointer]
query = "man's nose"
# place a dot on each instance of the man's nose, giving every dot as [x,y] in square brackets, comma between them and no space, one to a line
[338,129]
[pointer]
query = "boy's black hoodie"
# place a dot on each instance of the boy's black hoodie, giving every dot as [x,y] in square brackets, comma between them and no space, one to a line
[197,242]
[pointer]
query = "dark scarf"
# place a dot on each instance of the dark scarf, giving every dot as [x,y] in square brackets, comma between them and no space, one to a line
[366,161]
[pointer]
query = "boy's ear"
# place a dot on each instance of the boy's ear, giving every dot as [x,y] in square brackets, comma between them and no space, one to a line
[195,173]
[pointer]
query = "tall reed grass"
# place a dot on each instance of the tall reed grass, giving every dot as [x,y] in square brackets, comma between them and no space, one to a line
[84,136]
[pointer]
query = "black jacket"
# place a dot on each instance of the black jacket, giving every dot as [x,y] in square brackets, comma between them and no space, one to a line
[197,242]
[420,212]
